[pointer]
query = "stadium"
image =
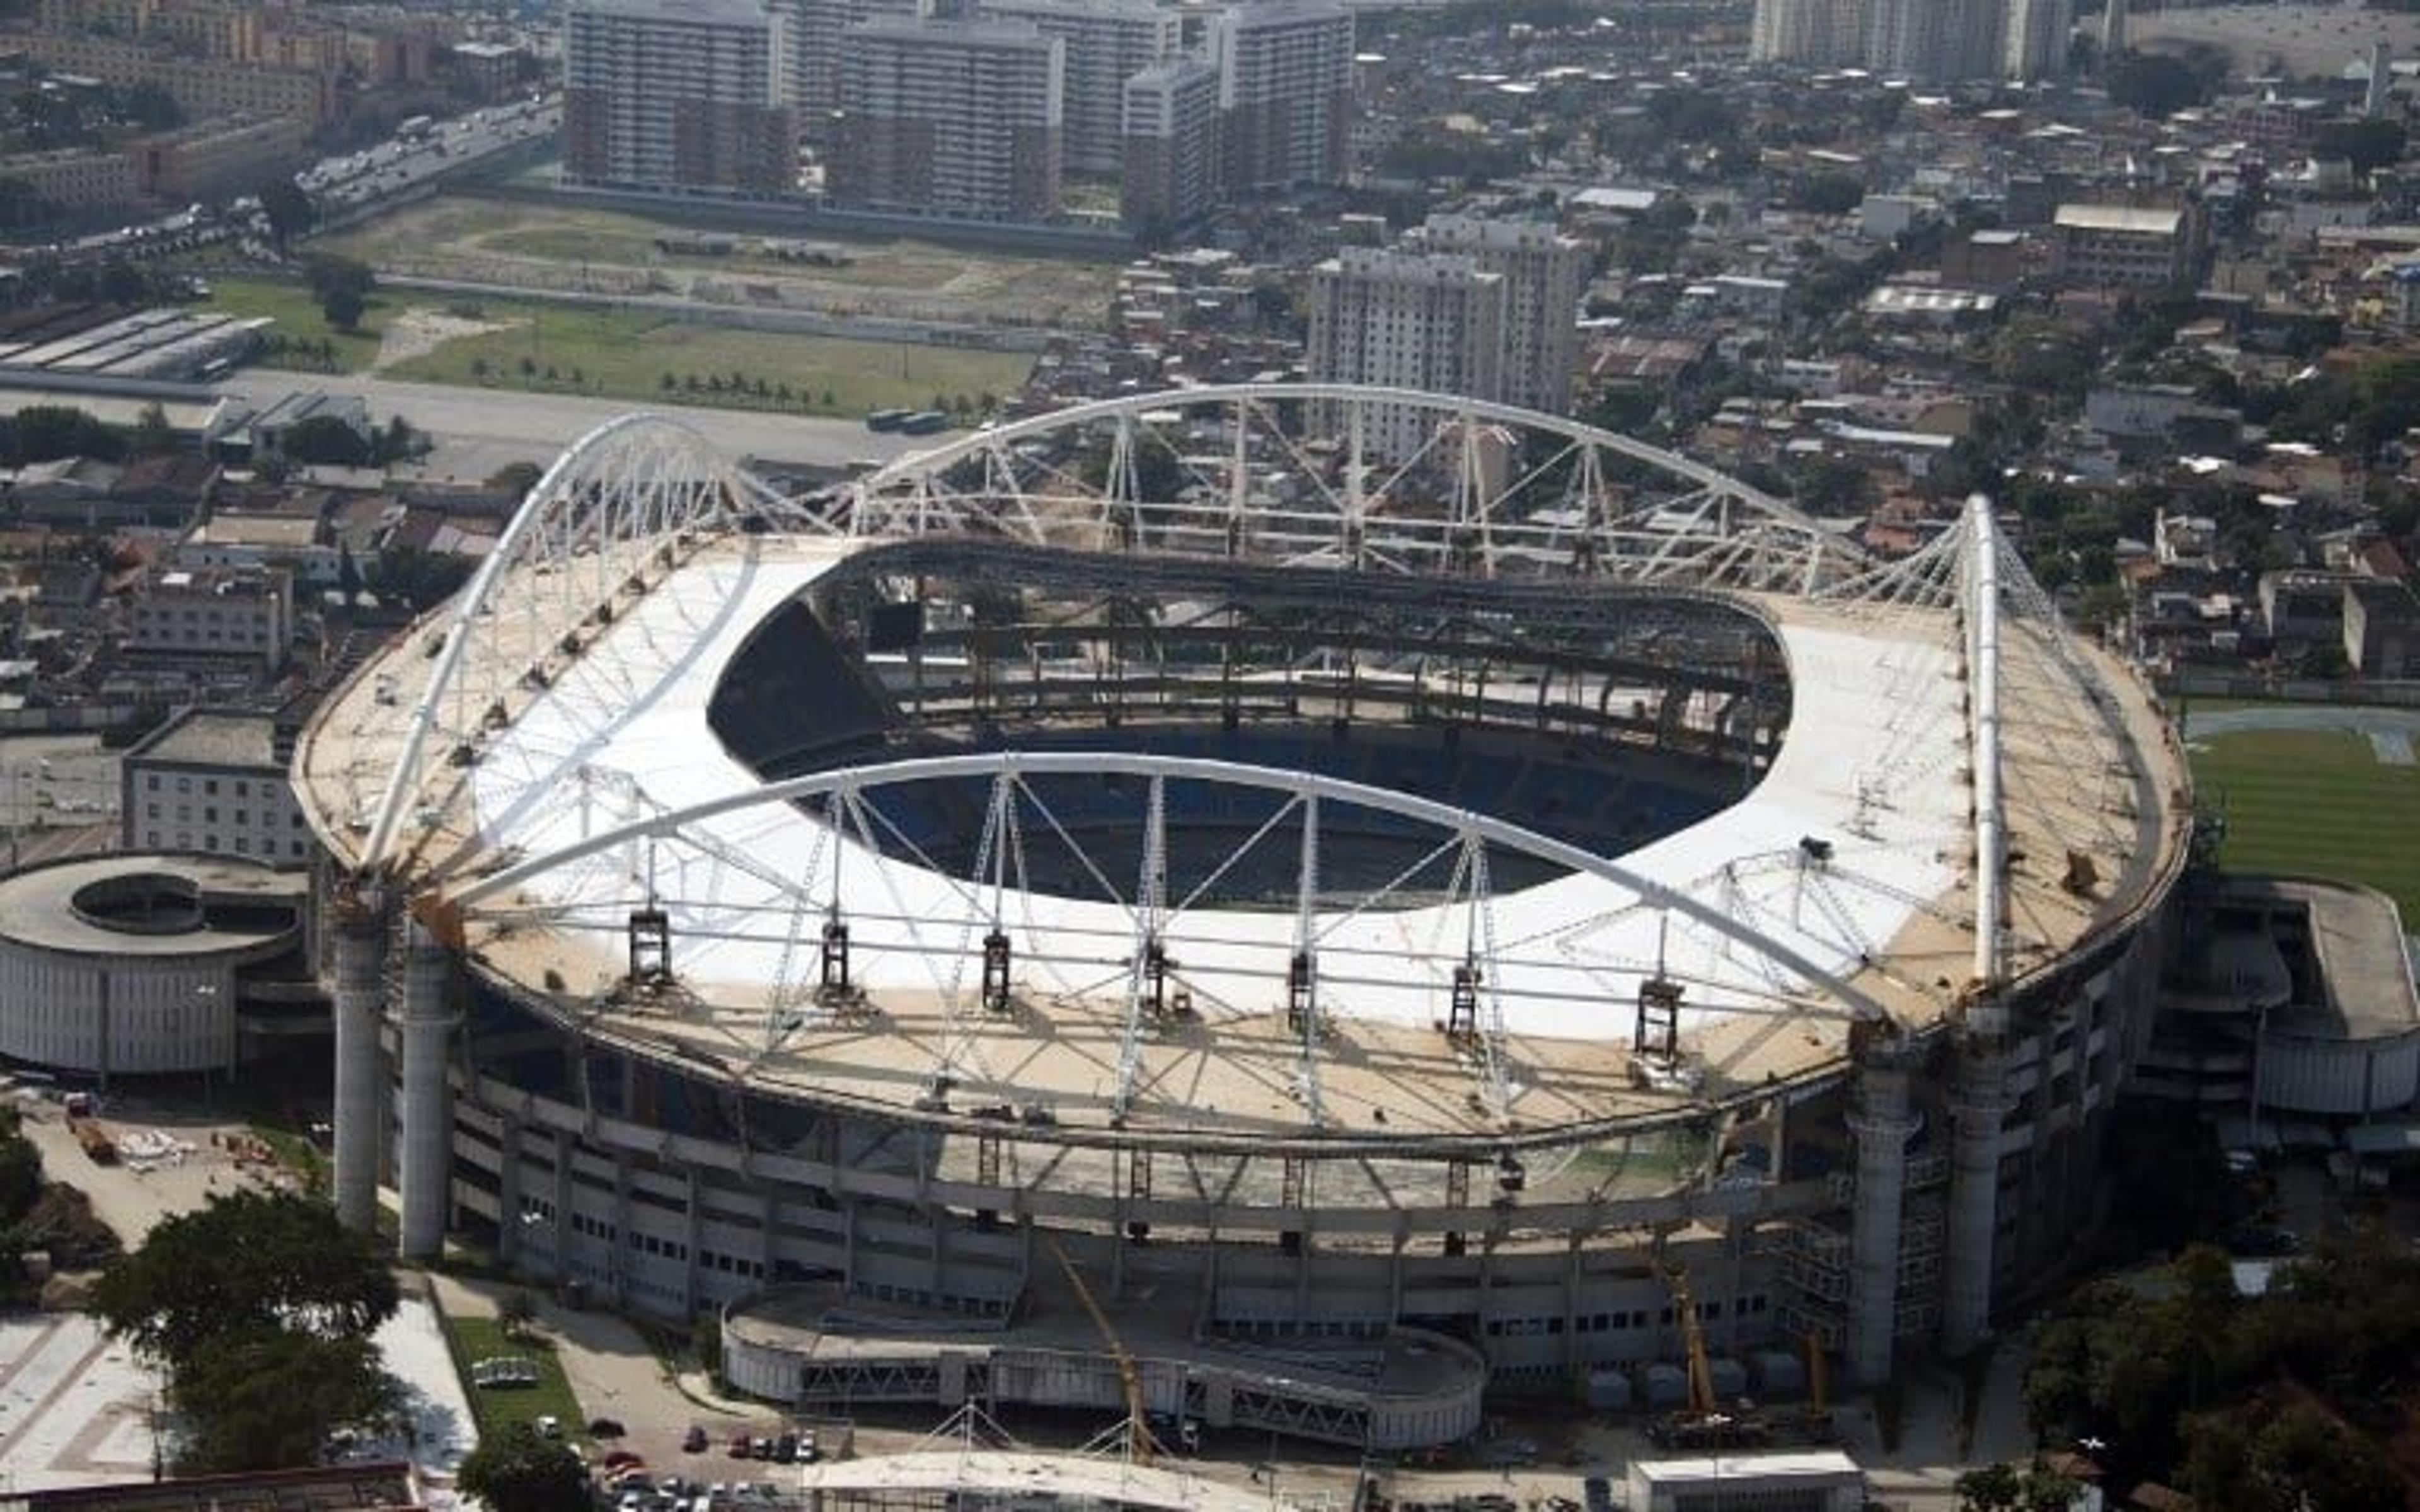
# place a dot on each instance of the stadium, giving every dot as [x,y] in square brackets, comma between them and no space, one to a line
[1160,885]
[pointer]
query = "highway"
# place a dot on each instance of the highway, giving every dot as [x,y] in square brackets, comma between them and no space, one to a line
[480,430]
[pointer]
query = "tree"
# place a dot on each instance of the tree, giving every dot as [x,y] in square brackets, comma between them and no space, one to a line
[516,478]
[2311,1463]
[343,308]
[325,441]
[289,210]
[2006,1488]
[20,1170]
[341,285]
[516,1313]
[2367,145]
[47,432]
[1830,194]
[152,434]
[2153,84]
[246,1264]
[398,442]
[516,1471]
[122,282]
[269,1399]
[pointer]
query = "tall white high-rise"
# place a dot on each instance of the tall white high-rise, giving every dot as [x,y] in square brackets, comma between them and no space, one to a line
[676,94]
[1285,91]
[1545,273]
[958,119]
[1922,39]
[810,68]
[1819,33]
[1409,319]
[1108,42]
[1169,172]
[2033,39]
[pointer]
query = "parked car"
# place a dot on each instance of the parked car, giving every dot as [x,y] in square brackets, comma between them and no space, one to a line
[694,1441]
[740,1444]
[604,1427]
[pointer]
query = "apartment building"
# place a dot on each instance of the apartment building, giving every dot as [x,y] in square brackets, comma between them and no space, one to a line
[810,66]
[2123,246]
[1285,99]
[676,95]
[2033,39]
[214,779]
[1108,42]
[74,178]
[958,118]
[1170,161]
[217,156]
[201,85]
[218,615]
[1920,39]
[1544,275]
[1405,318]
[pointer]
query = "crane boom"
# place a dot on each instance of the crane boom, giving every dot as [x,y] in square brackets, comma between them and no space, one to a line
[1693,1337]
[1138,1442]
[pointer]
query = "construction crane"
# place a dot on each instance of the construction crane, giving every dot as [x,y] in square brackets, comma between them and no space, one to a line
[1139,1445]
[1816,1421]
[1701,1423]
[1693,1341]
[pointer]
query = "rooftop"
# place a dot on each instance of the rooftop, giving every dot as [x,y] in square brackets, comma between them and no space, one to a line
[2137,220]
[212,737]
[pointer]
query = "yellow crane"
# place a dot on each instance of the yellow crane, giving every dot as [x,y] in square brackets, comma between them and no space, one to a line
[1693,1340]
[1139,1440]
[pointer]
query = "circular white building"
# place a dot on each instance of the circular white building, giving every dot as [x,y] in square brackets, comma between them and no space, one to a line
[1454,896]
[139,964]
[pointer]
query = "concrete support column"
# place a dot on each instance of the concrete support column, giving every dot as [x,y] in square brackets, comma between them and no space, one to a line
[510,1218]
[1881,1124]
[565,1152]
[1980,1101]
[361,1069]
[626,1255]
[692,1233]
[424,1165]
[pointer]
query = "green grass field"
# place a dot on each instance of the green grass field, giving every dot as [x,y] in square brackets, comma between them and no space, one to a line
[628,354]
[299,319]
[483,1338]
[2319,804]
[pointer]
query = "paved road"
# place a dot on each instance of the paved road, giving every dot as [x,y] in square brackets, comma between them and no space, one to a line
[479,430]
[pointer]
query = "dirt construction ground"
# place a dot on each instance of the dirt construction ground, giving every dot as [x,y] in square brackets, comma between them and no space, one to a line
[515,243]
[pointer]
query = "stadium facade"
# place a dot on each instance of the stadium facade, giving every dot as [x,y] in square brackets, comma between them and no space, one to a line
[1384,932]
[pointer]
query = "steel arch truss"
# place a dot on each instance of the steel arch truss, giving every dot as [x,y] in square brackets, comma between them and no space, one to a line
[616,515]
[1392,478]
[816,886]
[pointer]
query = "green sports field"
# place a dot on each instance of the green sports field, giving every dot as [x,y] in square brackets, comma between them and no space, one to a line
[2318,803]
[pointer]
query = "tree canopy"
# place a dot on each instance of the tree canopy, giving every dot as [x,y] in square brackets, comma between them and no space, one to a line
[261,1307]
[2261,1404]
[326,440]
[246,1264]
[516,1471]
[269,1399]
[2154,85]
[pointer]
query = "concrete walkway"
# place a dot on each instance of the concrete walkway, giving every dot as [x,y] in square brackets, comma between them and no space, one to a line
[617,1373]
